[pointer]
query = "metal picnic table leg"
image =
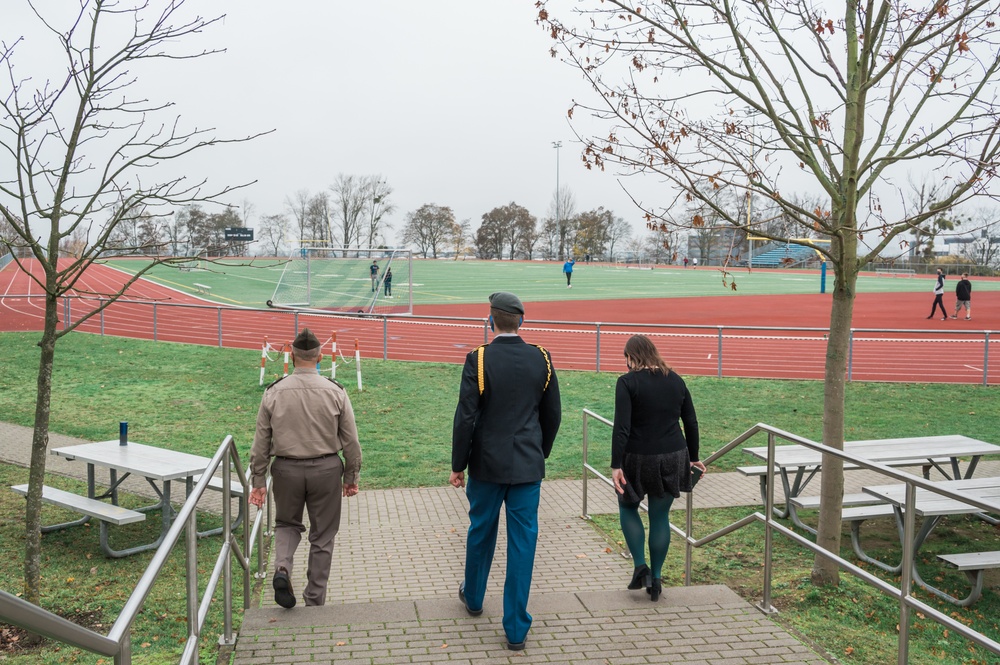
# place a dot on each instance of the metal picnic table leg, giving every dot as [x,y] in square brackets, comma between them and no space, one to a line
[918,541]
[166,518]
[797,486]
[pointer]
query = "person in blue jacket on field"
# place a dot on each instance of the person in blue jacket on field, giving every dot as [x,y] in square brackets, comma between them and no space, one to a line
[568,269]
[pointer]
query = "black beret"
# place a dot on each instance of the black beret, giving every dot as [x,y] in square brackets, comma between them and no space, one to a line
[507,302]
[305,341]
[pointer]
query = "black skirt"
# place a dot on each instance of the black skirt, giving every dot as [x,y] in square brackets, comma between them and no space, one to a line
[655,475]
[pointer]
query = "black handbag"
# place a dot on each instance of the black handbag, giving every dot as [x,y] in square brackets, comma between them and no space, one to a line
[696,475]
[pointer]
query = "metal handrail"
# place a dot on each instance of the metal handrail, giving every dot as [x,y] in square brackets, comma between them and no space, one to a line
[117,643]
[902,593]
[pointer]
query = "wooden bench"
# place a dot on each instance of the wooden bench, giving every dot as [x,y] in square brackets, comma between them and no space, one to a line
[202,288]
[106,512]
[974,565]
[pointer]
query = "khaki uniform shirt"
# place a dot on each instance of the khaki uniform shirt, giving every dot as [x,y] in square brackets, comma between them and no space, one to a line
[305,415]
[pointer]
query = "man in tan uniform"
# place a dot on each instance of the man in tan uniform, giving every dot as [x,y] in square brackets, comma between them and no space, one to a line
[304,422]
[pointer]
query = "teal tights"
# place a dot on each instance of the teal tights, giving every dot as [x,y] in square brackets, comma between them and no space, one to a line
[659,532]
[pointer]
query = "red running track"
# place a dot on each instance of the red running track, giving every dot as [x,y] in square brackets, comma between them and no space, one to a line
[908,347]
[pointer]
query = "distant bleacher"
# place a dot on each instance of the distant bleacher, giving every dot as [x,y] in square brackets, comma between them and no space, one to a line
[784,256]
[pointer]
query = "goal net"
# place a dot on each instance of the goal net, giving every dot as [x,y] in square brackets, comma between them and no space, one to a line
[347,279]
[635,262]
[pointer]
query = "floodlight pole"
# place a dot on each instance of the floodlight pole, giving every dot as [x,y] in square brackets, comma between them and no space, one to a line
[557,145]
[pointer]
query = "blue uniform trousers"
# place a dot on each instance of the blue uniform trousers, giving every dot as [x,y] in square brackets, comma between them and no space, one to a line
[521,502]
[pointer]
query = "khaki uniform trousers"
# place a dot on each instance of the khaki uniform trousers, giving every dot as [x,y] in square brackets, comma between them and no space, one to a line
[315,484]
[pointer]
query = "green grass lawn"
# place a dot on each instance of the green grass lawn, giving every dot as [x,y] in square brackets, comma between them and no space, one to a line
[190,397]
[252,283]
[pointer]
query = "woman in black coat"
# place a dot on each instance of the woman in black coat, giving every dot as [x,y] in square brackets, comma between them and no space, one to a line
[650,455]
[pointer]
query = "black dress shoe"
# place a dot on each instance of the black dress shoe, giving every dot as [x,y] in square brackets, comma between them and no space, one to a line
[461,596]
[515,646]
[283,594]
[641,577]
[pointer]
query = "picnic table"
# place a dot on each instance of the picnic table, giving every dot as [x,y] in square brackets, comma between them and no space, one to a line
[797,465]
[931,507]
[156,465]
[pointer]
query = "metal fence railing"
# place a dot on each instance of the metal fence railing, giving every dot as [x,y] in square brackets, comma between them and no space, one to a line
[908,604]
[895,355]
[118,642]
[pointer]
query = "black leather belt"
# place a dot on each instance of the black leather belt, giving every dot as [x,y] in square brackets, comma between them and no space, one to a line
[305,459]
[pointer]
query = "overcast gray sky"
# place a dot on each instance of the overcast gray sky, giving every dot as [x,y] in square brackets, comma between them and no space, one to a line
[454,102]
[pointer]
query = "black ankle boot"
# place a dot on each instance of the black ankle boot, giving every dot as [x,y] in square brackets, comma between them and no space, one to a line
[640,577]
[655,589]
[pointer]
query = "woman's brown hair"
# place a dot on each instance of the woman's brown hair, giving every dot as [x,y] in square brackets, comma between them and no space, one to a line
[643,354]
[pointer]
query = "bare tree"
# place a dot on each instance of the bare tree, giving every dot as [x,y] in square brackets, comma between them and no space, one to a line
[429,227]
[73,151]
[460,236]
[506,226]
[983,249]
[563,211]
[618,232]
[318,218]
[272,231]
[848,97]
[298,206]
[351,198]
[592,231]
[377,193]
[549,239]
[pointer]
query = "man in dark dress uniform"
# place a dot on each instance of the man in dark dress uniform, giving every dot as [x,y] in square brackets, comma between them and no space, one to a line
[505,424]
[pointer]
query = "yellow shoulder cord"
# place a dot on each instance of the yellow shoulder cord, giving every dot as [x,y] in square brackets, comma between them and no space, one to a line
[548,366]
[481,352]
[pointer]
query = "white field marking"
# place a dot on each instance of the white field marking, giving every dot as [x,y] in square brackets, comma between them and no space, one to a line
[708,357]
[978,369]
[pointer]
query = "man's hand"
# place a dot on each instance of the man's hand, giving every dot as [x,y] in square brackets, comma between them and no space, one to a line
[258,495]
[350,489]
[457,479]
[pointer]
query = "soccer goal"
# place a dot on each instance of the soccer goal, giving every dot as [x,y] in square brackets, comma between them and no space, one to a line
[634,262]
[347,279]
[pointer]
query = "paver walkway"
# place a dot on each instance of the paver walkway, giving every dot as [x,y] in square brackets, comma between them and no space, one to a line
[399,558]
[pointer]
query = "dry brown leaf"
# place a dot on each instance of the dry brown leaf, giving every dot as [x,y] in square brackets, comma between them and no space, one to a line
[341,644]
[849,650]
[145,645]
[444,646]
[581,556]
[271,620]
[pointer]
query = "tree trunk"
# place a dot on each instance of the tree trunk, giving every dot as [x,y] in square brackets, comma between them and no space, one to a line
[826,571]
[39,448]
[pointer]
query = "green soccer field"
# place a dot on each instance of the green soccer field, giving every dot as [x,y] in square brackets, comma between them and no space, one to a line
[252,283]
